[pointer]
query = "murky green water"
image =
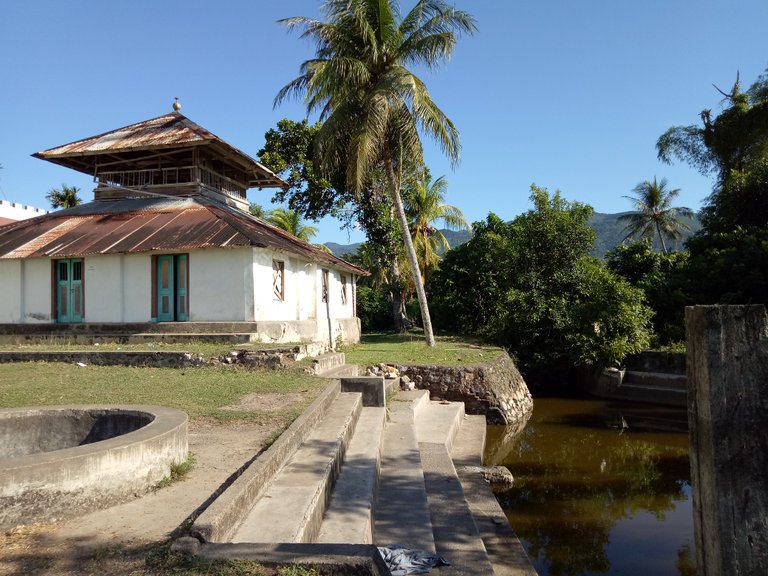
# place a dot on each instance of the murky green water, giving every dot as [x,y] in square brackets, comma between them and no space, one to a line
[600,488]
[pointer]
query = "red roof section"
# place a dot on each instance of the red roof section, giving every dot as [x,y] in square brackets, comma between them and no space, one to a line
[146,225]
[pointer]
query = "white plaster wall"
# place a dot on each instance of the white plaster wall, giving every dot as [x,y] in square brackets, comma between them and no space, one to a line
[10,291]
[104,288]
[36,290]
[118,288]
[136,287]
[297,303]
[217,285]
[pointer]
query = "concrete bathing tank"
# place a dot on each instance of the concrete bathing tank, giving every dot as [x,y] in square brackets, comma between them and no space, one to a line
[63,461]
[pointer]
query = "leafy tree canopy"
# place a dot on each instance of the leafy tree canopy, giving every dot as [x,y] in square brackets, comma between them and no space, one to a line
[531,286]
[733,146]
[64,197]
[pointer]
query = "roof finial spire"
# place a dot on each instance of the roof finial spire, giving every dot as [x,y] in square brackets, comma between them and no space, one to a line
[176,104]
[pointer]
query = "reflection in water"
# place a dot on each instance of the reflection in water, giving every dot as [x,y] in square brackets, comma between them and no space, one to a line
[600,488]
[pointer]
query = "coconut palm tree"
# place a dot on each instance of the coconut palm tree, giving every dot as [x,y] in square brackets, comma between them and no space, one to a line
[372,105]
[291,222]
[424,207]
[65,197]
[654,214]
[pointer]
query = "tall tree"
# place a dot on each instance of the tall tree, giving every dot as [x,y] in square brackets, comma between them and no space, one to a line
[291,222]
[424,206]
[64,197]
[372,105]
[734,147]
[654,213]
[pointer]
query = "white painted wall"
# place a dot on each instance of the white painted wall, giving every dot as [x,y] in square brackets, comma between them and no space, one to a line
[103,280]
[136,288]
[297,303]
[217,285]
[10,291]
[225,286]
[118,288]
[36,290]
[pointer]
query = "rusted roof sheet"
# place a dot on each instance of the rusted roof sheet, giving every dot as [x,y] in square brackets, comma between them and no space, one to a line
[146,225]
[172,130]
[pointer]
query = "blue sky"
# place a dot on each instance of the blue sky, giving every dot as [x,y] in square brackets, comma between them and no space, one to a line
[568,95]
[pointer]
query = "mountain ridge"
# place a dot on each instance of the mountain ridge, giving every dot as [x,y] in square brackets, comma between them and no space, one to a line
[609,230]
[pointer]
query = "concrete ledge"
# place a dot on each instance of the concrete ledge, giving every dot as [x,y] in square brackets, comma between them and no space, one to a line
[349,518]
[344,559]
[505,551]
[439,422]
[46,486]
[453,526]
[222,518]
[292,507]
[371,387]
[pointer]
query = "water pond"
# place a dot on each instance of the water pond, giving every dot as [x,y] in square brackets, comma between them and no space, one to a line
[600,488]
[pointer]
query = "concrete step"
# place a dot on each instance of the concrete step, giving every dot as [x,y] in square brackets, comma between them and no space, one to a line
[292,507]
[327,361]
[655,394]
[349,518]
[182,337]
[657,379]
[502,546]
[402,512]
[439,422]
[342,371]
[454,530]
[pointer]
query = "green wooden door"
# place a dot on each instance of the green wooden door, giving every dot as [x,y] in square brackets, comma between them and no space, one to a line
[166,286]
[182,312]
[69,290]
[172,289]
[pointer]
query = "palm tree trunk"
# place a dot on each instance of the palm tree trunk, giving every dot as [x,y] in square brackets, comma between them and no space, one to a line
[661,237]
[398,302]
[394,190]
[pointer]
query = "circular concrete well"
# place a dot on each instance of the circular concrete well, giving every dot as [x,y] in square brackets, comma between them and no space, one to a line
[63,461]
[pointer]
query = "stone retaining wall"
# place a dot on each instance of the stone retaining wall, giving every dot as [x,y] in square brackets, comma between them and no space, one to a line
[495,389]
[143,359]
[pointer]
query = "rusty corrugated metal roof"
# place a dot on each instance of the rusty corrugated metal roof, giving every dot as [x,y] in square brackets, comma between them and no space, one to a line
[172,130]
[149,225]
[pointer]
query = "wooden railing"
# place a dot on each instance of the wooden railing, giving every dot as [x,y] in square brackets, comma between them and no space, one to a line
[141,179]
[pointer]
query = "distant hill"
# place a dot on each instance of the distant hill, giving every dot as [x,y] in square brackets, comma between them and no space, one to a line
[610,233]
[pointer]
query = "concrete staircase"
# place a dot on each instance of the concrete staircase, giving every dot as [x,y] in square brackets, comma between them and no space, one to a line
[333,365]
[351,474]
[664,388]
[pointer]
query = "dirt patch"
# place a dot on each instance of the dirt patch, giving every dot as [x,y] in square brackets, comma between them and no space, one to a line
[117,540]
[265,402]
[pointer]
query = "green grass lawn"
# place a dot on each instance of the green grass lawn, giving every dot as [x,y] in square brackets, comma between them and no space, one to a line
[410,348]
[200,392]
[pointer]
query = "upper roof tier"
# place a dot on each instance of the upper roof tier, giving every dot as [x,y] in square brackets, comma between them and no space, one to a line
[165,142]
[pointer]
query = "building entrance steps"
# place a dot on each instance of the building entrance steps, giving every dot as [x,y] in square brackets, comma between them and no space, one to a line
[292,507]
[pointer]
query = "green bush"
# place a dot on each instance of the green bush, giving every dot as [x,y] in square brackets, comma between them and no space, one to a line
[531,286]
[374,310]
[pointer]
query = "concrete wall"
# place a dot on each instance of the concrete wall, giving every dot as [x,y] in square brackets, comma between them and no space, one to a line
[217,285]
[16,211]
[10,288]
[36,291]
[728,417]
[65,483]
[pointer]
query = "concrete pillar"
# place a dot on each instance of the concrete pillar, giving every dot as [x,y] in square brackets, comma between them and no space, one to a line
[727,369]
